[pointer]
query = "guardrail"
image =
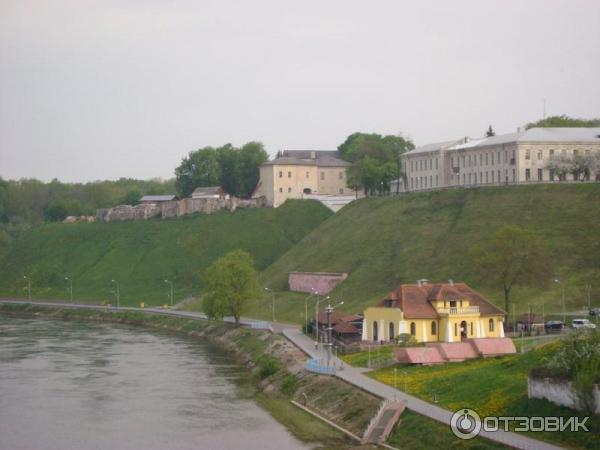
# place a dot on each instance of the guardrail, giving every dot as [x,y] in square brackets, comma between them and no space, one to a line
[315,365]
[258,325]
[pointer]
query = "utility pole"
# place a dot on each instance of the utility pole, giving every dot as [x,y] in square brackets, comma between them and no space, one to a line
[118,293]
[171,283]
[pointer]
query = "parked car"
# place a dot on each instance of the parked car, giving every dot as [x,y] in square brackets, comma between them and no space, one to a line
[554,326]
[582,323]
[595,312]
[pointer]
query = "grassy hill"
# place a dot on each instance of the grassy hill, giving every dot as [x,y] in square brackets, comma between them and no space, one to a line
[382,242]
[142,254]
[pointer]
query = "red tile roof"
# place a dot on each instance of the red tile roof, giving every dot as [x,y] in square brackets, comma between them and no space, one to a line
[346,328]
[415,300]
[335,317]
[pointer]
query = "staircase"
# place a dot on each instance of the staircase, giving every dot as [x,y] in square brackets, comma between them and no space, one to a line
[383,422]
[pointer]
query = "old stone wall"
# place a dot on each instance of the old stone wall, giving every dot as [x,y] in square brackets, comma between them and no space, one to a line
[321,282]
[176,208]
[557,392]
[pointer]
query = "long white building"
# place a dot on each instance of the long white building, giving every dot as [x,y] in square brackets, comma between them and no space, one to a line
[504,159]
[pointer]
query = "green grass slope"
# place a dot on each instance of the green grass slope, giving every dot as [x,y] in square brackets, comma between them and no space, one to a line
[382,242]
[142,254]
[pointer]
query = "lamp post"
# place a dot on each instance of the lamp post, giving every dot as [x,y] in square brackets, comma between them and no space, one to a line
[306,310]
[171,294]
[28,286]
[562,285]
[317,316]
[70,280]
[329,311]
[272,302]
[117,292]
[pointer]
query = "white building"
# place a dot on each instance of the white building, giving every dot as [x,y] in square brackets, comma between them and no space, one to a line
[509,158]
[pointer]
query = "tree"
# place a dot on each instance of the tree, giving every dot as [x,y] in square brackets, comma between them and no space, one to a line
[132,197]
[513,256]
[560,165]
[490,132]
[199,168]
[564,121]
[231,281]
[383,164]
[250,157]
[56,211]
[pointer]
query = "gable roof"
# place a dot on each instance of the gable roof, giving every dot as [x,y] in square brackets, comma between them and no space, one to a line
[323,161]
[208,190]
[157,198]
[415,300]
[345,328]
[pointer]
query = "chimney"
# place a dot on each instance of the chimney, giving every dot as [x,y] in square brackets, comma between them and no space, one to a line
[451,282]
[313,154]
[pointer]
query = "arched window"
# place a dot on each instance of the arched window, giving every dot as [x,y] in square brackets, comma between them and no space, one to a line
[433,328]
[471,326]
[491,325]
[375,331]
[413,329]
[391,331]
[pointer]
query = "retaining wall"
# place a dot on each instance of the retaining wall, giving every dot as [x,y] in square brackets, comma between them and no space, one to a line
[321,282]
[559,392]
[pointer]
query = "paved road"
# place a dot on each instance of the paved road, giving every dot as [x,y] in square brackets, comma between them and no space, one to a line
[350,374]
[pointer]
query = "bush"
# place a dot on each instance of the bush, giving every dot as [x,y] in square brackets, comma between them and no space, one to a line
[289,385]
[267,366]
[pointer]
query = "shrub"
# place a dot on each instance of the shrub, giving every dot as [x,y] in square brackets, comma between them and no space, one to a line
[267,366]
[289,385]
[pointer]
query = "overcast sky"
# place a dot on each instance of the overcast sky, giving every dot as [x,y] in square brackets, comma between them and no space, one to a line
[106,89]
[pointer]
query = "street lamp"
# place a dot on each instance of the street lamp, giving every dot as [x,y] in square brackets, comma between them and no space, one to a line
[272,302]
[556,280]
[117,291]
[70,280]
[171,283]
[28,286]
[329,310]
[317,316]
[306,310]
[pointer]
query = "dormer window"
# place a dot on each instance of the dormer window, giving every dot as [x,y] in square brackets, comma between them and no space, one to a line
[388,303]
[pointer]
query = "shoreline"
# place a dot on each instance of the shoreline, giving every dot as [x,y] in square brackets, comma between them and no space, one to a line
[273,378]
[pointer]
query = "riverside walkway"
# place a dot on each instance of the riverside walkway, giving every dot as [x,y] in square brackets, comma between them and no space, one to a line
[352,375]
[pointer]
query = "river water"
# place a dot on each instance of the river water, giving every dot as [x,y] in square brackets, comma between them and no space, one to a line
[81,385]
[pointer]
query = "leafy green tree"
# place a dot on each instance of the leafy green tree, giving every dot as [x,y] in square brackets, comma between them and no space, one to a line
[199,168]
[132,197]
[231,282]
[56,211]
[564,121]
[383,164]
[251,156]
[228,157]
[513,256]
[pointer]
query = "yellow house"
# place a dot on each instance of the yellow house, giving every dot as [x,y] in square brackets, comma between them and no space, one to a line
[297,173]
[433,312]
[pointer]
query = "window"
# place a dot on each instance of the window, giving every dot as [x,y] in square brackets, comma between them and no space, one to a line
[289,174]
[551,175]
[341,191]
[480,177]
[492,174]
[436,163]
[413,329]
[469,160]
[391,331]
[436,180]
[540,155]
[471,326]
[551,153]
[289,190]
[480,159]
[498,158]
[280,189]
[575,152]
[527,174]
[486,178]
[527,154]
[412,184]
[433,328]
[499,180]
[491,325]
[322,175]
[492,158]
[540,174]
[341,175]
[486,159]
[375,331]
[514,175]
[430,181]
[307,175]
[280,174]
[421,164]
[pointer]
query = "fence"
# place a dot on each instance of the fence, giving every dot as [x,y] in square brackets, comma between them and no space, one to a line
[315,365]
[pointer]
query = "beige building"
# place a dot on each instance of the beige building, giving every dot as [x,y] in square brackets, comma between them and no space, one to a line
[520,157]
[300,173]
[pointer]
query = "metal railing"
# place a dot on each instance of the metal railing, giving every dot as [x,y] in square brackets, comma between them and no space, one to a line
[458,310]
[316,366]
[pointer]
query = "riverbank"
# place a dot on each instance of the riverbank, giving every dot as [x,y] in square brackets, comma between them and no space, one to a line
[275,371]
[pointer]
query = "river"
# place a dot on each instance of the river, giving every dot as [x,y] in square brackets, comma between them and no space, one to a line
[85,385]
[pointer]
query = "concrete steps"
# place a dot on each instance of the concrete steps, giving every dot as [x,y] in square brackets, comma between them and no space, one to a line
[382,424]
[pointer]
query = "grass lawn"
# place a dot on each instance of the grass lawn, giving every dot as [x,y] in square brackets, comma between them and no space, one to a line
[492,386]
[377,356]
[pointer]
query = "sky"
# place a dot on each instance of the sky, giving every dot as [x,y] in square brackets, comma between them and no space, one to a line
[106,89]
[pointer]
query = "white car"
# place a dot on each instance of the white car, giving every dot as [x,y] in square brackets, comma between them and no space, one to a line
[582,323]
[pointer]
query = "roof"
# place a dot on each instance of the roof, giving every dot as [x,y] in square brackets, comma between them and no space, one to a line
[336,317]
[415,300]
[157,198]
[208,190]
[324,161]
[345,328]
[583,135]
[306,154]
[352,318]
